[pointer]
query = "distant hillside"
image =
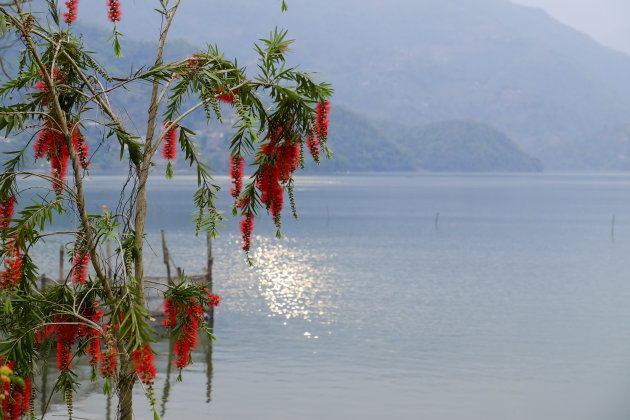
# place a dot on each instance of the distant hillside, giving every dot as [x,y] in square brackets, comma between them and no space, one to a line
[361,144]
[467,146]
[547,86]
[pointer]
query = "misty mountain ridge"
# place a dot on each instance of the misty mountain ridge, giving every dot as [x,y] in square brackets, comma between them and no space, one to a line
[549,87]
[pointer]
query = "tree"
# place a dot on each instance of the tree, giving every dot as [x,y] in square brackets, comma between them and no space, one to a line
[61,89]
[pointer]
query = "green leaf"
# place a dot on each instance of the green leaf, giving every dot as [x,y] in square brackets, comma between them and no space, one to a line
[107,387]
[169,170]
[155,415]
[8,308]
[117,48]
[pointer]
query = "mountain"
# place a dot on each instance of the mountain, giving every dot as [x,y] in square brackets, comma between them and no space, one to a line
[466,146]
[547,86]
[360,143]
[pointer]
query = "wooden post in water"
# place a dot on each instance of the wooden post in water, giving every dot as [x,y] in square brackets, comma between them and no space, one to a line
[167,258]
[61,274]
[209,264]
[209,282]
[109,258]
[437,220]
[612,230]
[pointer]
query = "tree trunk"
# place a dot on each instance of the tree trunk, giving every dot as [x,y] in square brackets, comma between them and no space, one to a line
[126,381]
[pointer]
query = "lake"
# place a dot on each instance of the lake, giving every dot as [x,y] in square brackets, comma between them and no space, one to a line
[513,303]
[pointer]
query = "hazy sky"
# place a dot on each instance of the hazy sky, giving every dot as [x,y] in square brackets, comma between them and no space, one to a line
[608,21]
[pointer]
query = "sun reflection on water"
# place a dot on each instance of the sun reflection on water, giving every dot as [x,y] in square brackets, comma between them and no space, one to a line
[294,280]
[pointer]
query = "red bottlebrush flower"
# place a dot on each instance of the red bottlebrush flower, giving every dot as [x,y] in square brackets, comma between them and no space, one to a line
[94,351]
[247,225]
[43,333]
[169,147]
[289,155]
[80,266]
[81,147]
[192,63]
[189,337]
[58,155]
[236,172]
[6,393]
[182,353]
[226,97]
[16,406]
[109,361]
[71,15]
[313,146]
[6,211]
[145,364]
[321,120]
[113,10]
[66,335]
[170,313]
[43,143]
[213,300]
[26,404]
[13,270]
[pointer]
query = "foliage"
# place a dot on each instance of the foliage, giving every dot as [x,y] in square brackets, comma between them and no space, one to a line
[60,95]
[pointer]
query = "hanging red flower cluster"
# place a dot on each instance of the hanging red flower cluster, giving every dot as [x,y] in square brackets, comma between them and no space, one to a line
[247,225]
[169,146]
[93,350]
[320,131]
[68,330]
[71,15]
[6,211]
[236,173]
[10,276]
[109,359]
[66,336]
[213,299]
[190,313]
[43,333]
[170,313]
[145,364]
[281,157]
[313,145]
[228,97]
[16,399]
[51,144]
[188,341]
[322,119]
[80,266]
[191,63]
[113,10]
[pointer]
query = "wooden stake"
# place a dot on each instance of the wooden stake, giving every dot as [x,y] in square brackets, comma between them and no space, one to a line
[209,264]
[61,276]
[109,259]
[167,258]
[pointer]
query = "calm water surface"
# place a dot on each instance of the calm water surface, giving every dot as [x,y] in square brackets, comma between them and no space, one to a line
[515,306]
